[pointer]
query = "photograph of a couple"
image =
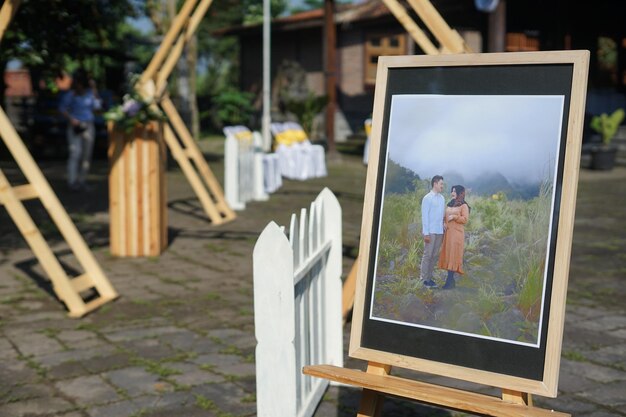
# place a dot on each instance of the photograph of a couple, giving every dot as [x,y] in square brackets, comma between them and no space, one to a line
[465,223]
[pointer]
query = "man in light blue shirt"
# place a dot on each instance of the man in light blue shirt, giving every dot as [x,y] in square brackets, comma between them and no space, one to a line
[77,106]
[433,210]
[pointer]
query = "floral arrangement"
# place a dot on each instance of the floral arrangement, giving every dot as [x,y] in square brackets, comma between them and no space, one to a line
[134,110]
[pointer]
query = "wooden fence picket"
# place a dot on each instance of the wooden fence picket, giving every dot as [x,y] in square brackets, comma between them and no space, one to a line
[297,307]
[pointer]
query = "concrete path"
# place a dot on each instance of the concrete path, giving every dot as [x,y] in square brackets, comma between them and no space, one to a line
[180,339]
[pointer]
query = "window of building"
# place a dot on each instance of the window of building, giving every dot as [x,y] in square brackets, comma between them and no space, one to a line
[381,44]
[520,42]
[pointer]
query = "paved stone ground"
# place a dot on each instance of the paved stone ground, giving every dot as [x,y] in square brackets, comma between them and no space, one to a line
[180,339]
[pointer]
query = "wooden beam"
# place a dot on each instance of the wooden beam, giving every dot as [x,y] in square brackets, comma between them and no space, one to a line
[447,37]
[23,192]
[411,27]
[192,151]
[8,10]
[177,25]
[175,53]
[54,207]
[429,393]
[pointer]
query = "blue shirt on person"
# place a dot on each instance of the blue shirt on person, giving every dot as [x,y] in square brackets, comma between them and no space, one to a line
[433,209]
[80,107]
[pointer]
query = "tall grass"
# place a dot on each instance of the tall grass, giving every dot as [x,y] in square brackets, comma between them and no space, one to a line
[504,259]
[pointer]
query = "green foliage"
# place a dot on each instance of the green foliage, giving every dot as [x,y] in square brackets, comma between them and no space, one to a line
[399,179]
[232,107]
[607,125]
[68,33]
[254,10]
[306,109]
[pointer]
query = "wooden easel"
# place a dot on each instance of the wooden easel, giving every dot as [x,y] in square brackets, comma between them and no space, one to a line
[376,383]
[69,290]
[177,137]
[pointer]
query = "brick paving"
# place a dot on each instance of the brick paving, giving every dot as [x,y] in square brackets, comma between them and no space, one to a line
[180,339]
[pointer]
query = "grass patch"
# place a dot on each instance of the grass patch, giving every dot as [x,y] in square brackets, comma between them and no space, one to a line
[155,368]
[573,356]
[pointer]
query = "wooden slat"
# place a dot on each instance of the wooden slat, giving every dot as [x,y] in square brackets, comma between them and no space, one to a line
[349,287]
[40,248]
[54,207]
[429,393]
[191,148]
[176,51]
[192,176]
[23,192]
[8,10]
[81,283]
[449,38]
[164,49]
[411,27]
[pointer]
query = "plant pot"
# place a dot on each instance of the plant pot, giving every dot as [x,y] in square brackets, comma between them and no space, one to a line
[603,159]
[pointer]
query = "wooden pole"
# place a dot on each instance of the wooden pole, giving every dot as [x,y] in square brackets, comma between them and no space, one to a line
[331,73]
[497,28]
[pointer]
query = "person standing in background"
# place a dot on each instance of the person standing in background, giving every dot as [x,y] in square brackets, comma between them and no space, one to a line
[433,208]
[77,106]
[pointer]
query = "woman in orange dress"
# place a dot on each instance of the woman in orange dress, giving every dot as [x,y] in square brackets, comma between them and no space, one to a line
[456,215]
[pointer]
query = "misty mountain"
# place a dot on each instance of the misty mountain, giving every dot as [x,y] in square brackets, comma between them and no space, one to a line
[493,182]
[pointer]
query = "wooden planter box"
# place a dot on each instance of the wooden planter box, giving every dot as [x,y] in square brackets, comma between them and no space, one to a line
[137,192]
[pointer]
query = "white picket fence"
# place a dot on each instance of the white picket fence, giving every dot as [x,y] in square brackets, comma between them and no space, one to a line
[249,174]
[297,308]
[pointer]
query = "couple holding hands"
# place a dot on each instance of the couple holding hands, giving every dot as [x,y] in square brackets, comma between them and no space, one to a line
[443,228]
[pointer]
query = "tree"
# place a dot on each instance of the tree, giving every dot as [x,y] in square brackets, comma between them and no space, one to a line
[47,35]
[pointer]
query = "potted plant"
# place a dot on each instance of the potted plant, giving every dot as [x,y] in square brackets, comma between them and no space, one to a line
[603,155]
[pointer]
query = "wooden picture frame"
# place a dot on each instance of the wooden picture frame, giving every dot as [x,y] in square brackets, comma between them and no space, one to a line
[430,110]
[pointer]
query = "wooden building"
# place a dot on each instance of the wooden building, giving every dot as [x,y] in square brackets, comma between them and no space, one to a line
[367,30]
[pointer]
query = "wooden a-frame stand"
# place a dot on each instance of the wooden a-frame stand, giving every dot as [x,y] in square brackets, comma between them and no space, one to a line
[176,135]
[68,289]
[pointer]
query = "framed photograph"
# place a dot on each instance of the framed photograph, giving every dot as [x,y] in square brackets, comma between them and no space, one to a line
[468,216]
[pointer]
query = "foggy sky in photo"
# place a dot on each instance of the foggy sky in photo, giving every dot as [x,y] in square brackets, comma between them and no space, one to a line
[517,136]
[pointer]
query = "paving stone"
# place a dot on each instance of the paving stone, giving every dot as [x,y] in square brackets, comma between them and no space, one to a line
[227,397]
[135,381]
[36,344]
[565,404]
[594,372]
[58,358]
[16,373]
[191,374]
[134,334]
[36,407]
[67,370]
[88,390]
[609,395]
[107,363]
[605,323]
[72,337]
[149,349]
[119,409]
[25,392]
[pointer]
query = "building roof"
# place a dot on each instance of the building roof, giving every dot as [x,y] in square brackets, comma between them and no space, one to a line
[344,14]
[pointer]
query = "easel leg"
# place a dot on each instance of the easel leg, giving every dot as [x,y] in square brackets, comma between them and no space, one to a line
[517,397]
[371,401]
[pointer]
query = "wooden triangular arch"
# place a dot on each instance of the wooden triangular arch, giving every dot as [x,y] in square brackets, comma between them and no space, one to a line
[69,290]
[153,84]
